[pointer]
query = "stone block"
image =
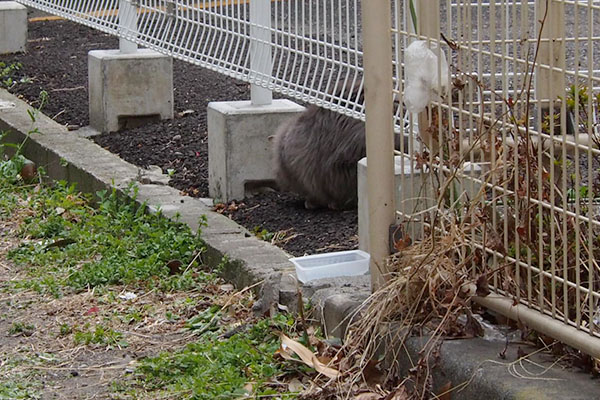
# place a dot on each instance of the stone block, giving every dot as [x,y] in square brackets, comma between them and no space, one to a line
[13,27]
[413,194]
[239,149]
[129,89]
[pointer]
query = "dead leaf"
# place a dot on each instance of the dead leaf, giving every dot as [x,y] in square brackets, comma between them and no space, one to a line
[367,396]
[472,327]
[305,355]
[402,243]
[185,112]
[324,359]
[400,394]
[483,288]
[28,171]
[92,310]
[60,243]
[249,389]
[445,392]
[372,373]
[174,267]
[227,287]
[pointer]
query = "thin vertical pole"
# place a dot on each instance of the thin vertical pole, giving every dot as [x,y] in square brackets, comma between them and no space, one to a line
[261,63]
[550,84]
[428,21]
[127,22]
[377,38]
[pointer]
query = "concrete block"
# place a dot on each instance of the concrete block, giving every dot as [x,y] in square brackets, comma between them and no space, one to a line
[413,194]
[336,308]
[13,27]
[239,149]
[469,177]
[129,89]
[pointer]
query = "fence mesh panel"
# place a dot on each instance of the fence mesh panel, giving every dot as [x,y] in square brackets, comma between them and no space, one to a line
[315,45]
[512,144]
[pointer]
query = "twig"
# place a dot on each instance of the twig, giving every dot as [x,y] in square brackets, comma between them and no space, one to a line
[68,89]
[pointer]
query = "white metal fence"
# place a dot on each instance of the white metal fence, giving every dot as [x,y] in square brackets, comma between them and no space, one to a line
[512,147]
[307,50]
[520,109]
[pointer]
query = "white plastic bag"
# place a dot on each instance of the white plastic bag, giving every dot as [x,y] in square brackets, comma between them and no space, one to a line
[421,75]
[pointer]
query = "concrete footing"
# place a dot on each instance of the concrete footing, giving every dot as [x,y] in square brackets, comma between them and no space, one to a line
[413,192]
[128,89]
[13,27]
[239,149]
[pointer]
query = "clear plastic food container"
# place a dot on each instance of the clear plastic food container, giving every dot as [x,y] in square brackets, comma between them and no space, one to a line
[331,265]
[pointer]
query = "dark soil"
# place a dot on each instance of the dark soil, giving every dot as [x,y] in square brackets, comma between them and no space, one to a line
[56,61]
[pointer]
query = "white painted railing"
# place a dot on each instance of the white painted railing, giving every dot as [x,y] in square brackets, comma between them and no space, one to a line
[508,144]
[303,49]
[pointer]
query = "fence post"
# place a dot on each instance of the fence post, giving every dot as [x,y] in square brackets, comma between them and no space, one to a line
[127,23]
[428,25]
[377,45]
[549,85]
[260,50]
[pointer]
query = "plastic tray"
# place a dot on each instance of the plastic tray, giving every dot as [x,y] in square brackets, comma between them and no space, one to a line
[331,265]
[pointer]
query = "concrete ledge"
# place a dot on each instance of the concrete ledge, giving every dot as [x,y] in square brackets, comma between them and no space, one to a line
[13,27]
[66,155]
[245,260]
[476,362]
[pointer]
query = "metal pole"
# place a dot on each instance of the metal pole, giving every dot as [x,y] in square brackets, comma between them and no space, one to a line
[542,323]
[428,20]
[260,50]
[550,84]
[127,23]
[377,45]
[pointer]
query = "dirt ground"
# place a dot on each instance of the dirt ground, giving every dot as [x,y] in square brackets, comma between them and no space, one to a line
[43,348]
[56,61]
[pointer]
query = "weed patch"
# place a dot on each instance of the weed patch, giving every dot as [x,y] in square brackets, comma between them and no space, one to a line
[68,243]
[219,366]
[116,294]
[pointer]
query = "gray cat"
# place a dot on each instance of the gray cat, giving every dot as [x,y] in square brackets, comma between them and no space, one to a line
[315,156]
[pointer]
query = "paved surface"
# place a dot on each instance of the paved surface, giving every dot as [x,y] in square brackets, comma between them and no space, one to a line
[245,261]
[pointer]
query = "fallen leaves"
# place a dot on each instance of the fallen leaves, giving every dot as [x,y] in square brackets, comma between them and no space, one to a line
[222,208]
[289,347]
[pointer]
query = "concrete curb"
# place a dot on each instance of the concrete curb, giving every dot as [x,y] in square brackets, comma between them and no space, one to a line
[245,260]
[67,156]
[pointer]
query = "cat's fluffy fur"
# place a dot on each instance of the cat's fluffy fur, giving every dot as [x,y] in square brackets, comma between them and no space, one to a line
[315,156]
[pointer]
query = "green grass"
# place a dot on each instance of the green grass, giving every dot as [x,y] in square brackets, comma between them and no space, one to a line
[19,328]
[18,390]
[72,244]
[9,75]
[218,368]
[99,335]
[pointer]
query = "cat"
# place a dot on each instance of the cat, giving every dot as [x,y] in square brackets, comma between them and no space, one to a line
[315,155]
